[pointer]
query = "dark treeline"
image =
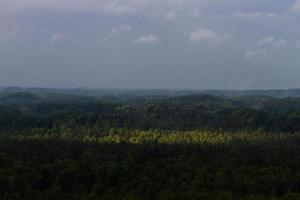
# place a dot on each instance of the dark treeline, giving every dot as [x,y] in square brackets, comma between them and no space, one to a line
[65,169]
[252,113]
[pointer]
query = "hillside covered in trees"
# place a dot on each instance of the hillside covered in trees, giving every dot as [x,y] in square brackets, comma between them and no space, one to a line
[149,144]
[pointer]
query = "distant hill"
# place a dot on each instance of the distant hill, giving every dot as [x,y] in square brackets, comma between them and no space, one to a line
[19,98]
[157,93]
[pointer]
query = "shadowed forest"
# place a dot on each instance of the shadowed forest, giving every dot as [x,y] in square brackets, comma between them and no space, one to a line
[149,144]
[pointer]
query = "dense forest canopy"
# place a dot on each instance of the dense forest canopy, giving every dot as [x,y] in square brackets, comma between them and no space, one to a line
[150,144]
[50,109]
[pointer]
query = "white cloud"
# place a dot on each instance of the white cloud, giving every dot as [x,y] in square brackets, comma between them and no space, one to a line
[272,42]
[253,15]
[171,15]
[56,37]
[210,37]
[119,30]
[296,6]
[148,39]
[254,53]
[268,40]
[265,45]
[280,42]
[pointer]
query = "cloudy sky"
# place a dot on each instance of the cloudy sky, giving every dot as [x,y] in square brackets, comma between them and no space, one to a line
[197,44]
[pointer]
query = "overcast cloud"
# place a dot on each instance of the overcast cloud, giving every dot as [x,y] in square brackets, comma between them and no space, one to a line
[198,44]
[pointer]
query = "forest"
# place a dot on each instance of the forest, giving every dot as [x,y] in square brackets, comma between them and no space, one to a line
[149,144]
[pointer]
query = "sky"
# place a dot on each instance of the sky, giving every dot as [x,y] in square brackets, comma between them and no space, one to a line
[176,44]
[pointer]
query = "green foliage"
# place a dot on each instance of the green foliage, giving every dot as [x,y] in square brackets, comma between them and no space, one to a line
[180,113]
[259,166]
[164,147]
